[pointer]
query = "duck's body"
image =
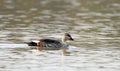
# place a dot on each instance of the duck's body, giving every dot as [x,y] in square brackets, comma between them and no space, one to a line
[50,44]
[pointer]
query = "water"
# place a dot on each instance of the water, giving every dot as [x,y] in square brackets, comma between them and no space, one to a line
[94,24]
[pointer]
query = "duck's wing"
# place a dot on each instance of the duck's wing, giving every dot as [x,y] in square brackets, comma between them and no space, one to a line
[50,43]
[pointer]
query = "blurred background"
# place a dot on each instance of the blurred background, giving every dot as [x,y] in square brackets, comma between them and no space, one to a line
[94,23]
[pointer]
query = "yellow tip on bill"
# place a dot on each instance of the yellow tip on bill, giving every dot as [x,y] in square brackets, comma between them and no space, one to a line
[75,40]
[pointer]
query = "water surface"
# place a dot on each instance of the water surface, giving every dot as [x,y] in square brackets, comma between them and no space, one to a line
[94,24]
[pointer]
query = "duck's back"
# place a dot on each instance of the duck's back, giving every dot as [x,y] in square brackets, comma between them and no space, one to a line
[50,44]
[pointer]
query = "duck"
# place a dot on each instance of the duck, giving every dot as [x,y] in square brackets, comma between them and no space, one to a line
[52,44]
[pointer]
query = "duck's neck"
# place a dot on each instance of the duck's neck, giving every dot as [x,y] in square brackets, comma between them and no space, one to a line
[64,39]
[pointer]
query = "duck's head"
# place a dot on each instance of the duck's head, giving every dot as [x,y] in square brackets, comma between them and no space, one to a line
[66,37]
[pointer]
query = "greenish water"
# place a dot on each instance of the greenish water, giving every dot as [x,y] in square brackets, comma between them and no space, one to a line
[95,24]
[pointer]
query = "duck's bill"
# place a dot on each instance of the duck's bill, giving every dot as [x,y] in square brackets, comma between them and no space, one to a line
[75,40]
[71,39]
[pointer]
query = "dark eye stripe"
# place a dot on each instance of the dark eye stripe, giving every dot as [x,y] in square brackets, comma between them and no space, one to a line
[67,34]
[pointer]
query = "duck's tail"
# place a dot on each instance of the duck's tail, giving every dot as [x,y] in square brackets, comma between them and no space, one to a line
[31,43]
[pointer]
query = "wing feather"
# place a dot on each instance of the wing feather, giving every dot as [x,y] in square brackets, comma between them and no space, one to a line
[49,43]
